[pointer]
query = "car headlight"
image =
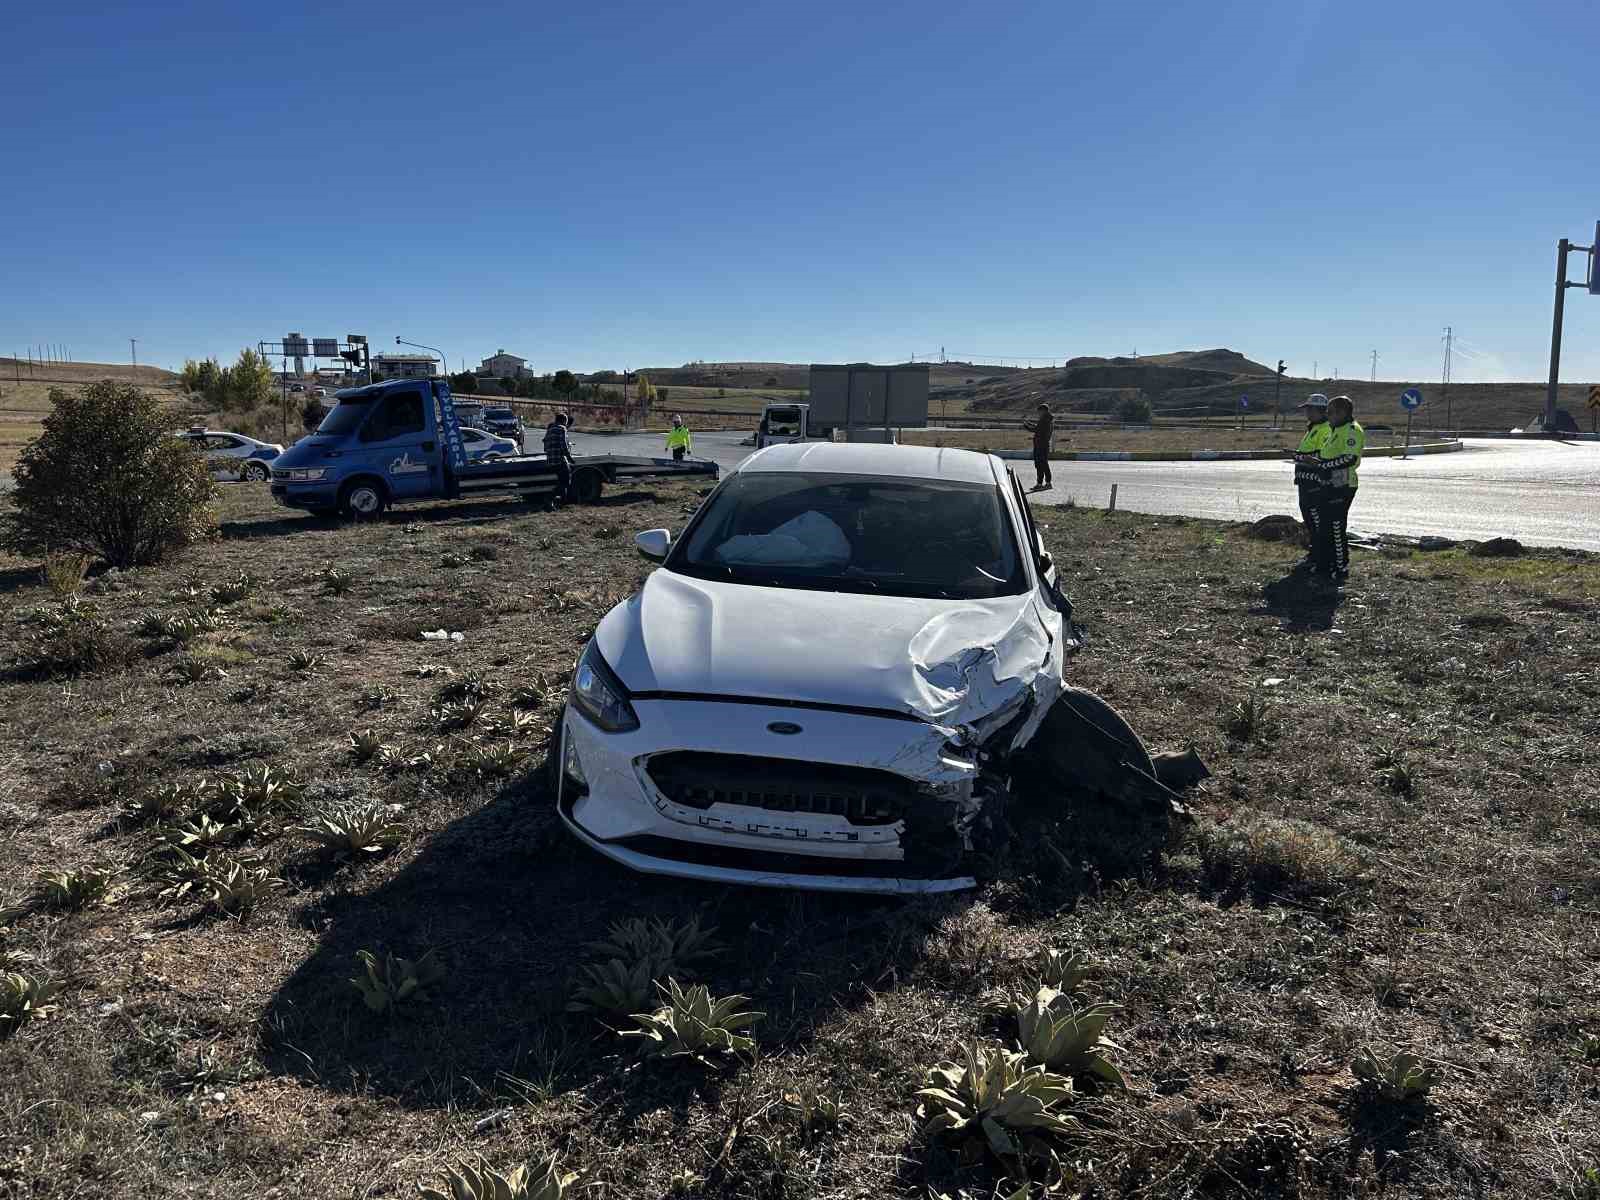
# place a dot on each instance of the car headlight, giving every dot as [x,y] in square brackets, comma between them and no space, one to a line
[599,694]
[298,475]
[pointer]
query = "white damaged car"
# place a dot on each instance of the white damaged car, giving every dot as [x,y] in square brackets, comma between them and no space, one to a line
[821,685]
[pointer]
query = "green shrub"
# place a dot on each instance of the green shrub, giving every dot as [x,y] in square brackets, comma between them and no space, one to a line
[994,1099]
[63,573]
[694,1024]
[1058,1034]
[75,889]
[72,639]
[107,478]
[1395,1076]
[22,997]
[481,1183]
[352,828]
[398,980]
[1133,410]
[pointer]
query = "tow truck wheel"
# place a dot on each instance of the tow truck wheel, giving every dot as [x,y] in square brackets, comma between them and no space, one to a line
[363,501]
[588,484]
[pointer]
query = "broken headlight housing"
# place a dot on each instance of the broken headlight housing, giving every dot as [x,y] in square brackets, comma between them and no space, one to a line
[599,694]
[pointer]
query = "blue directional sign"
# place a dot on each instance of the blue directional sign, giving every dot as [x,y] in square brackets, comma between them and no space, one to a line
[1410,398]
[1244,401]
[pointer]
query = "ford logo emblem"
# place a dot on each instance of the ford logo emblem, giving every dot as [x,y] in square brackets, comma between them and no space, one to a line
[784,727]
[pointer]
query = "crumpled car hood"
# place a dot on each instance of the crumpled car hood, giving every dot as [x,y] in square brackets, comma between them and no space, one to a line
[949,662]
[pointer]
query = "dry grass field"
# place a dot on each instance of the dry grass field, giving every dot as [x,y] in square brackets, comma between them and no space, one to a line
[25,401]
[1397,849]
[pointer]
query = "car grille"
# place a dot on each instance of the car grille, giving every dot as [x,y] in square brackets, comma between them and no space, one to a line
[861,795]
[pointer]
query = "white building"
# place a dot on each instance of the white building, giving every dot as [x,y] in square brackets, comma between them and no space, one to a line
[500,364]
[403,366]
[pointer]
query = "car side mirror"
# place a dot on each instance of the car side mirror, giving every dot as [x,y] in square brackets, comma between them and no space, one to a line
[653,543]
[1045,562]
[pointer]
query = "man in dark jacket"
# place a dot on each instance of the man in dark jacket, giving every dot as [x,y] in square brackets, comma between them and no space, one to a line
[1043,428]
[558,449]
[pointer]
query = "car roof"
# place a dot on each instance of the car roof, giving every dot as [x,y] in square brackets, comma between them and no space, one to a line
[872,458]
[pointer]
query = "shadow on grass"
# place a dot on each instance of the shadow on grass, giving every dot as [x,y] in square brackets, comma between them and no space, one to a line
[509,901]
[1301,603]
[15,579]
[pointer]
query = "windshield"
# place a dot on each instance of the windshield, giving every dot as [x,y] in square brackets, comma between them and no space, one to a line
[855,533]
[346,415]
[498,414]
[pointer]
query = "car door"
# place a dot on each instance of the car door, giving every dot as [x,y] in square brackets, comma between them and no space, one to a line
[222,455]
[397,443]
[1044,564]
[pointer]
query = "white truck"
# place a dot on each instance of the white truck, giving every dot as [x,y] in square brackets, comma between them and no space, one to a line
[866,402]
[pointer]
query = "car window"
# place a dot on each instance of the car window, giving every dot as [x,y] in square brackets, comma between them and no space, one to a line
[401,414]
[471,435]
[221,441]
[886,535]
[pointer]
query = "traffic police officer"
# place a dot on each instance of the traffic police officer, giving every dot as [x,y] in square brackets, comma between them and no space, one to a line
[1307,470]
[1339,458]
[679,440]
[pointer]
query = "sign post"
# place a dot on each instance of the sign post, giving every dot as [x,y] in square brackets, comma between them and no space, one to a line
[1594,405]
[1410,400]
[1244,403]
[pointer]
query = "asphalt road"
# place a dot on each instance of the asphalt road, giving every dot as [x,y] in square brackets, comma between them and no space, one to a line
[1542,493]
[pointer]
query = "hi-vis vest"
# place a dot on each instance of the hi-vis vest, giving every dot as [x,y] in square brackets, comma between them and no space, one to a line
[1340,453]
[1307,465]
[679,436]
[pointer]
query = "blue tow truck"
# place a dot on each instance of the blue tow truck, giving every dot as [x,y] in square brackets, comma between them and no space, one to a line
[400,441]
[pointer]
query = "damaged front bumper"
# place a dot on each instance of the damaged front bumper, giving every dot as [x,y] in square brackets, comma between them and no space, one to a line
[785,796]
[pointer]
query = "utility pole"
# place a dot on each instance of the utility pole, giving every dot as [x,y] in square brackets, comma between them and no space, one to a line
[1277,397]
[1444,386]
[1562,247]
[1374,366]
[1314,365]
[133,345]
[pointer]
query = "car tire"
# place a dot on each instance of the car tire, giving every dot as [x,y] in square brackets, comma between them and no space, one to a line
[255,472]
[587,485]
[1088,774]
[363,500]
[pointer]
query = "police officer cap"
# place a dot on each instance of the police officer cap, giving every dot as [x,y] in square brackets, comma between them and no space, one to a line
[1315,400]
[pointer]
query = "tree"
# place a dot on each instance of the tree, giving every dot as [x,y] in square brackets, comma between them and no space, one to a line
[464,383]
[1133,410]
[662,394]
[564,382]
[106,477]
[772,381]
[508,385]
[643,390]
[249,383]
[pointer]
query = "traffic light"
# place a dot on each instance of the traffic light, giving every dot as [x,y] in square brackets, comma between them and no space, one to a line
[1280,366]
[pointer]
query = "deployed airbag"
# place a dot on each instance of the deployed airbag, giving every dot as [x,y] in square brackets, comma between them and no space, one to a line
[809,540]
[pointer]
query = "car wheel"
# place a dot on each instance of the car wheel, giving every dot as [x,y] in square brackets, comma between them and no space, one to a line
[256,472]
[1089,774]
[588,484]
[363,501]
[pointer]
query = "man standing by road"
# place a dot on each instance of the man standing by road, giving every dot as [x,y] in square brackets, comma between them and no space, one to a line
[679,440]
[558,449]
[1308,472]
[1339,458]
[1043,429]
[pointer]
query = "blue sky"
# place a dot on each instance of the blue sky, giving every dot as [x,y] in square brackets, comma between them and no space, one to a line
[627,184]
